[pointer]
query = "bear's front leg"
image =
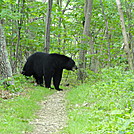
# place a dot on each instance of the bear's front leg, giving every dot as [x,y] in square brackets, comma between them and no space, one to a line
[57,78]
[47,79]
[39,80]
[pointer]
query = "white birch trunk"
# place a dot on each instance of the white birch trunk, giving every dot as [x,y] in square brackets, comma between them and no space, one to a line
[5,67]
[126,44]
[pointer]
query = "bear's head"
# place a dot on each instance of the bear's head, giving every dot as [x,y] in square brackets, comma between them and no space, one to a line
[27,72]
[70,65]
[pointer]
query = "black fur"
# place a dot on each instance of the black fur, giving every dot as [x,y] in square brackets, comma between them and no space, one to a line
[42,65]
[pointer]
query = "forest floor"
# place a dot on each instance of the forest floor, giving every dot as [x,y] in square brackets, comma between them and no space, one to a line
[52,115]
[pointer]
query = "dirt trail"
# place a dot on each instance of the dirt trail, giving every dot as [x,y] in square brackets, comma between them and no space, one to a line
[52,116]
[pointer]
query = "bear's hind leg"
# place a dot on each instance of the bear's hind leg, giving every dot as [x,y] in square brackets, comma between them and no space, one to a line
[56,79]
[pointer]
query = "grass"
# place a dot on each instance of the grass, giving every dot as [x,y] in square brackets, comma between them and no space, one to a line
[17,112]
[102,106]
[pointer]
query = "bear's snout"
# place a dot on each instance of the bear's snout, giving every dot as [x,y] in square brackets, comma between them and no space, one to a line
[74,68]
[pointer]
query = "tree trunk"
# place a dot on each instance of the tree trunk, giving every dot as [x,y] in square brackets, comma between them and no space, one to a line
[107,33]
[47,30]
[60,4]
[21,7]
[5,67]
[126,42]
[85,39]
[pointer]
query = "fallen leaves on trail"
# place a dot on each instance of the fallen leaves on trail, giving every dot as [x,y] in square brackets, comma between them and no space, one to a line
[5,94]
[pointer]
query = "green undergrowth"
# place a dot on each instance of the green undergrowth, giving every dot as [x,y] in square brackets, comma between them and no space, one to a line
[104,105]
[18,110]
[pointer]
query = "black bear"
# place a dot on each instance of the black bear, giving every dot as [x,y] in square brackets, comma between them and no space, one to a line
[49,66]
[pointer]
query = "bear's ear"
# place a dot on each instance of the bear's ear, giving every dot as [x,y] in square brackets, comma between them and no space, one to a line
[74,68]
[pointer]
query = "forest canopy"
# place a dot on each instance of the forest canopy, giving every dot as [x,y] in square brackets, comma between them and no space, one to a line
[25,21]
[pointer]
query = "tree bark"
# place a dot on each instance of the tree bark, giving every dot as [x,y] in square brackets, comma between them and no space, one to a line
[85,39]
[5,67]
[60,3]
[47,30]
[107,33]
[126,41]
